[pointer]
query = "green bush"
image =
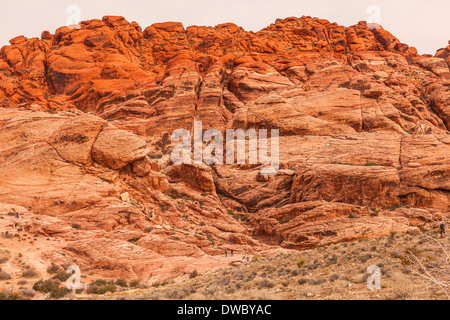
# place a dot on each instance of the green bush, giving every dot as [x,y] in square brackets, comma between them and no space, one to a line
[300,263]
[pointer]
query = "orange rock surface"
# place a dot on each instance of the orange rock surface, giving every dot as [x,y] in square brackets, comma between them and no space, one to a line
[86,116]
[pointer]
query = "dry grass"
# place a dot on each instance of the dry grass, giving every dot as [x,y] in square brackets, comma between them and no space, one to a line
[412,267]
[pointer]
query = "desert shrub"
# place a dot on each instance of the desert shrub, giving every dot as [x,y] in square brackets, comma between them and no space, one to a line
[266,283]
[174,295]
[100,282]
[193,274]
[413,251]
[101,289]
[300,263]
[29,273]
[230,289]
[251,276]
[316,264]
[332,260]
[134,283]
[134,240]
[46,286]
[302,281]
[316,282]
[365,258]
[225,281]
[51,286]
[121,283]
[334,277]
[53,269]
[11,296]
[28,293]
[59,293]
[62,276]
[4,275]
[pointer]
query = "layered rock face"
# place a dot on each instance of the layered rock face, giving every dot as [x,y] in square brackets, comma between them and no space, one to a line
[87,115]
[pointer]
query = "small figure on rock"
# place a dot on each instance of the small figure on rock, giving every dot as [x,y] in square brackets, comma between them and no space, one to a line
[442,228]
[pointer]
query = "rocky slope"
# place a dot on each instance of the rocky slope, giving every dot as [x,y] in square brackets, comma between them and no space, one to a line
[86,116]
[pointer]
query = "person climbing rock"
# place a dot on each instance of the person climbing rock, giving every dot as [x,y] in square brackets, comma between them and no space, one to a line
[442,227]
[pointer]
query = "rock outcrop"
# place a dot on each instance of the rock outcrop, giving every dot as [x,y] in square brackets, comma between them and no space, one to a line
[86,116]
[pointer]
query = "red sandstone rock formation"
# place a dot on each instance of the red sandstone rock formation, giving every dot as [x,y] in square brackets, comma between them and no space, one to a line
[85,131]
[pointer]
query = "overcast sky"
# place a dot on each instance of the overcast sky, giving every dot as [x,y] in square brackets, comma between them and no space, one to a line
[419,23]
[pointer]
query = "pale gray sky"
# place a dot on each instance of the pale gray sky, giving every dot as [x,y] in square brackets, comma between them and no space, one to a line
[421,23]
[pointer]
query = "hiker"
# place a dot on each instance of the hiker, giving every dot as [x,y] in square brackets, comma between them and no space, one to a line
[243,258]
[442,227]
[17,215]
[232,252]
[248,258]
[225,253]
